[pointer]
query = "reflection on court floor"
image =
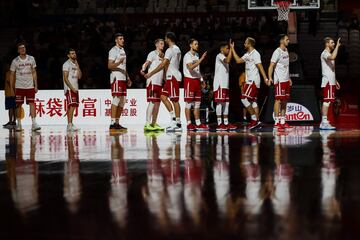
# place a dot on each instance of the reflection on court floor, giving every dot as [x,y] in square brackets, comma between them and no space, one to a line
[158,185]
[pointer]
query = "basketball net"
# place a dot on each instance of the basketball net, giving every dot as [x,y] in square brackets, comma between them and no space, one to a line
[283,9]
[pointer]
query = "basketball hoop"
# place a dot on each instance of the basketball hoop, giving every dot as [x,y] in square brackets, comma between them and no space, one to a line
[283,9]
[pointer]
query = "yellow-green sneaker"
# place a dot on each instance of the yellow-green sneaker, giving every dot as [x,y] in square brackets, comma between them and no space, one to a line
[148,127]
[158,128]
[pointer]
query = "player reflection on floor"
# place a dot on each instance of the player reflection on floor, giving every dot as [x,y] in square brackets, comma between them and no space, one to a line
[23,173]
[118,201]
[72,182]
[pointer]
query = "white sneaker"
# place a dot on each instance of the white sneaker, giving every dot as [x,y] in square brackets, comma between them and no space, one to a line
[35,127]
[172,127]
[326,126]
[18,128]
[178,128]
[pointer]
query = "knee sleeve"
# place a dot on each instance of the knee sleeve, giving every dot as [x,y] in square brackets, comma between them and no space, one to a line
[245,102]
[115,101]
[327,104]
[188,105]
[197,105]
[254,105]
[226,108]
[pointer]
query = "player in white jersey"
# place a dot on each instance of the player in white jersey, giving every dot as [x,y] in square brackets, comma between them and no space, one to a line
[24,77]
[154,85]
[329,83]
[119,80]
[71,74]
[253,65]
[279,65]
[173,78]
[192,85]
[221,87]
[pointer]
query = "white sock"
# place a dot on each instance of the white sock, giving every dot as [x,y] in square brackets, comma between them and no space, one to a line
[226,121]
[113,121]
[117,121]
[178,120]
[276,120]
[33,119]
[282,120]
[149,112]
[18,121]
[188,122]
[253,117]
[197,121]
[172,116]
[325,119]
[219,120]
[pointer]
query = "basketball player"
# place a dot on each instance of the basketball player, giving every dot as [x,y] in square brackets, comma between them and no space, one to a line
[279,65]
[221,87]
[252,60]
[71,74]
[192,85]
[119,80]
[329,83]
[154,85]
[23,75]
[173,77]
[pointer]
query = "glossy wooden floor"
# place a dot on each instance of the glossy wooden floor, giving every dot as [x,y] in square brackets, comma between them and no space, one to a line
[300,184]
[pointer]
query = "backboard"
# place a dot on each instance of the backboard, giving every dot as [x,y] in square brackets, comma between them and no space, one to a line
[296,4]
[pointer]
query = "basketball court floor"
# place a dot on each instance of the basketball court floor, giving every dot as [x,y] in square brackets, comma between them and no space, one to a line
[264,184]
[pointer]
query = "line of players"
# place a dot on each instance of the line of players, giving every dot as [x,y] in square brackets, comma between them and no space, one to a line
[160,66]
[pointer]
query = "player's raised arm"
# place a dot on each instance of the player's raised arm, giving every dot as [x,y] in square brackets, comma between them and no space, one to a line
[336,50]
[230,55]
[191,66]
[238,59]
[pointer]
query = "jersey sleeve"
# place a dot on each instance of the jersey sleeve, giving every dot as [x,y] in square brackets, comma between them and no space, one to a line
[66,67]
[13,66]
[326,55]
[33,62]
[169,54]
[221,57]
[276,56]
[150,57]
[187,59]
[244,58]
[257,58]
[112,55]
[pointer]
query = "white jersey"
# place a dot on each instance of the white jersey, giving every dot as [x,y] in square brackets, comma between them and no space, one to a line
[73,71]
[327,69]
[281,59]
[23,69]
[190,58]
[155,60]
[115,54]
[221,77]
[173,54]
[251,71]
